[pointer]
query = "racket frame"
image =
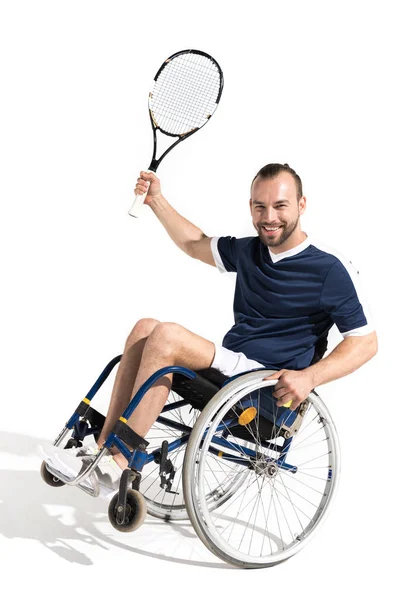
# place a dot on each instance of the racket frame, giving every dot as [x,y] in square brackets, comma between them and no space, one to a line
[155,162]
[183,136]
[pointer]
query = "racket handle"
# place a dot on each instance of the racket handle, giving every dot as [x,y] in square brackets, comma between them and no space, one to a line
[137,205]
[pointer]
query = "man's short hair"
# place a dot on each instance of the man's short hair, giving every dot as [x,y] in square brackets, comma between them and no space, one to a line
[273,169]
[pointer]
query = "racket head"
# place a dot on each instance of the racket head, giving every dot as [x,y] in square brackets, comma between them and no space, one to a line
[186,92]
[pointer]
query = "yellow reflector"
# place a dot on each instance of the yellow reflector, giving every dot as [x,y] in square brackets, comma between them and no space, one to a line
[86,401]
[220,453]
[123,420]
[288,404]
[247,415]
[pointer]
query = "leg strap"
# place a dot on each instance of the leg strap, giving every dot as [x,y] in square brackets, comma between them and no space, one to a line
[127,435]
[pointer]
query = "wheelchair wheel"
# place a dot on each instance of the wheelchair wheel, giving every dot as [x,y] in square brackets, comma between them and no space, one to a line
[136,511]
[48,477]
[287,482]
[171,506]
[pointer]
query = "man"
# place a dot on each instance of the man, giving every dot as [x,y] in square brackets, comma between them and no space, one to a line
[289,292]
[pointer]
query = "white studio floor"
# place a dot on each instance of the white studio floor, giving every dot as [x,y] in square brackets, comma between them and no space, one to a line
[59,539]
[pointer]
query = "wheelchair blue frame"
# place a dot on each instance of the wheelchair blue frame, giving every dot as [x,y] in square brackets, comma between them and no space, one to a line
[139,458]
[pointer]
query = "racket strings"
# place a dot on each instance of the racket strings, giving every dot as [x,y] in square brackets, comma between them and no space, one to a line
[194,78]
[182,118]
[180,107]
[190,100]
[185,93]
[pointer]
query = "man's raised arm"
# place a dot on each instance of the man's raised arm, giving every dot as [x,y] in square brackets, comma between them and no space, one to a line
[186,236]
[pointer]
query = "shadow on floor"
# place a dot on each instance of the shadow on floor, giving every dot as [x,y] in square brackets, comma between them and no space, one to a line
[58,518]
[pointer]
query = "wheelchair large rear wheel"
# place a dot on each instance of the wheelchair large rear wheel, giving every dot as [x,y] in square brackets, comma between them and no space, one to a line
[170,505]
[285,491]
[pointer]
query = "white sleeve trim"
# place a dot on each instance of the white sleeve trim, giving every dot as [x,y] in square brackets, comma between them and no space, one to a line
[354,274]
[360,331]
[216,255]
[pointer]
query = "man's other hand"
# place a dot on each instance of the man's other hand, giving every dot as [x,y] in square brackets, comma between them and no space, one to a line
[292,386]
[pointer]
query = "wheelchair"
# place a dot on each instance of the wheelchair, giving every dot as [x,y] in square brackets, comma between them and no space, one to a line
[255,480]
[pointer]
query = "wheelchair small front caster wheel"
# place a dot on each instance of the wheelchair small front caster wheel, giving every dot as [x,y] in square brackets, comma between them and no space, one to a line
[136,511]
[49,478]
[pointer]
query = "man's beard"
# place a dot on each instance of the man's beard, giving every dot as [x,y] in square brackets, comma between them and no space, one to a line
[283,234]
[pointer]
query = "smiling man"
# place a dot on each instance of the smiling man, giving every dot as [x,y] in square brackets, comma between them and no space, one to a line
[276,208]
[290,291]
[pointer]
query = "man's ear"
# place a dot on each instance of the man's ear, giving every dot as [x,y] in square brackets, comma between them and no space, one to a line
[302,204]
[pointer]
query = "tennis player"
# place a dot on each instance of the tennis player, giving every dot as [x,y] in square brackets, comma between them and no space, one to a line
[290,291]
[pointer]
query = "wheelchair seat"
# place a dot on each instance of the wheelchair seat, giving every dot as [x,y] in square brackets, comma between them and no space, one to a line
[272,420]
[207,382]
[201,389]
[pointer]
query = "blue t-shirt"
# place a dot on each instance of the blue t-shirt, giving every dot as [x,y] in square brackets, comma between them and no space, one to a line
[286,303]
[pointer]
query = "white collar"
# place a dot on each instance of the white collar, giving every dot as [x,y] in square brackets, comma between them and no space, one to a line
[277,257]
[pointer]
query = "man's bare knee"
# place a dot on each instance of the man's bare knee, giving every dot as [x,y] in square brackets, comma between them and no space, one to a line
[167,338]
[165,333]
[173,342]
[142,329]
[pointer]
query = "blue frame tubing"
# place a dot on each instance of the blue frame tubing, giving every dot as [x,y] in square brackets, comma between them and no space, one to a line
[82,407]
[138,458]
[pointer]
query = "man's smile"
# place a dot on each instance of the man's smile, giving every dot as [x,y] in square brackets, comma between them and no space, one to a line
[270,231]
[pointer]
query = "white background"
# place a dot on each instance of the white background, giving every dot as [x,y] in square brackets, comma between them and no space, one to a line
[314,84]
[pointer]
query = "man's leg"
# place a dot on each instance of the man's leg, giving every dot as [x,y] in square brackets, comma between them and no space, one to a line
[126,374]
[168,344]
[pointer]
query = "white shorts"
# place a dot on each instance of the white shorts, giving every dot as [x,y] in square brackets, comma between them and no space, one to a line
[231,363]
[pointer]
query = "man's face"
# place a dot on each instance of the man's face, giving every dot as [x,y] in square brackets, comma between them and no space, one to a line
[274,208]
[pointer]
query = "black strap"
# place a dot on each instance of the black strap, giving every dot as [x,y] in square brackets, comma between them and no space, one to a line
[130,437]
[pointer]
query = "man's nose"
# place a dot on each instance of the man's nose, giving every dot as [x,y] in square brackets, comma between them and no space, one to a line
[270,214]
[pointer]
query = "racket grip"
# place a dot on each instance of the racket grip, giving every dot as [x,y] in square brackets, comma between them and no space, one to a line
[137,204]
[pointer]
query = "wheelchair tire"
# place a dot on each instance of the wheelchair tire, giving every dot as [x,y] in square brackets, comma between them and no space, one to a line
[136,511]
[287,489]
[48,477]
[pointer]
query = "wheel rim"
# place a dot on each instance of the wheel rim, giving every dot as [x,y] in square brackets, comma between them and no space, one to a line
[276,511]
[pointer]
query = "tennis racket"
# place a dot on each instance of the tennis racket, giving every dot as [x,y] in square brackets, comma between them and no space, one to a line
[186,92]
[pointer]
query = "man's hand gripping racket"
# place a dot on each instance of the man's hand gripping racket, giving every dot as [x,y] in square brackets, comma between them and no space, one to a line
[186,92]
[147,187]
